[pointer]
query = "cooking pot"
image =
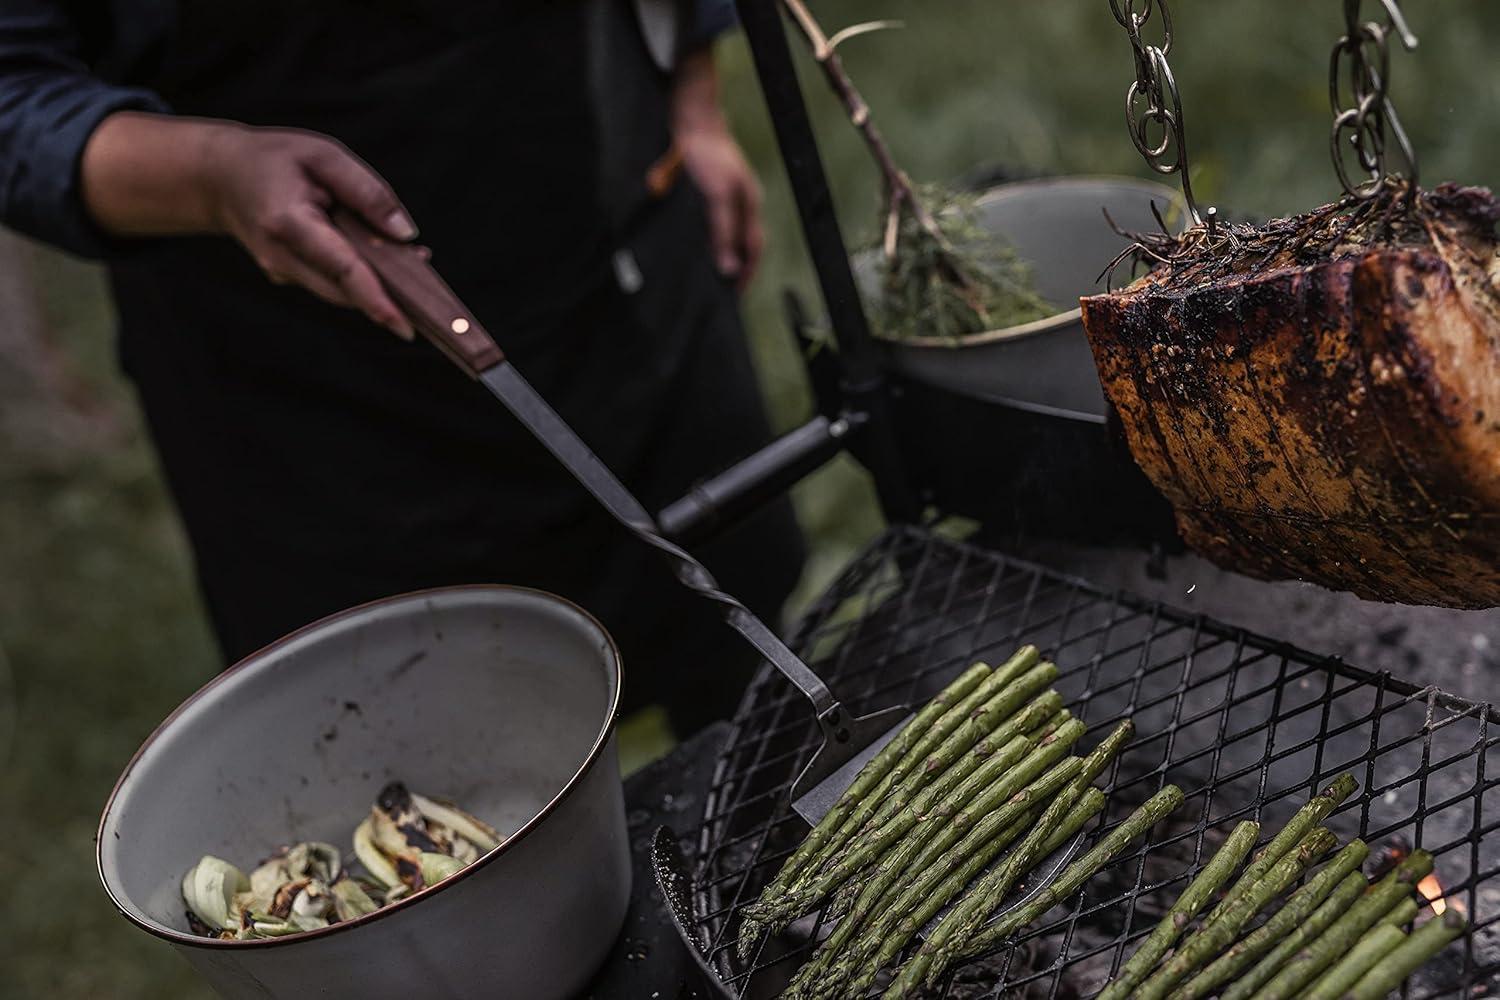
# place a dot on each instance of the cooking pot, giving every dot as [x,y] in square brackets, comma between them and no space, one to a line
[1058,226]
[1010,427]
[500,698]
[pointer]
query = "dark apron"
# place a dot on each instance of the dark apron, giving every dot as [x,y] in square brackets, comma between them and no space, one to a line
[319,462]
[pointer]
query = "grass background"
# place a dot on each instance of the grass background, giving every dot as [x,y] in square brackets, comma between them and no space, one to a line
[100,631]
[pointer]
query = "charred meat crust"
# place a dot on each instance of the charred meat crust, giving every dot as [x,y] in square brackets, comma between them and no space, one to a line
[1333,419]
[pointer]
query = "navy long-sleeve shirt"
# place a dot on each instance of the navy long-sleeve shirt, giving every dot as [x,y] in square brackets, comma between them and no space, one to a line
[64,69]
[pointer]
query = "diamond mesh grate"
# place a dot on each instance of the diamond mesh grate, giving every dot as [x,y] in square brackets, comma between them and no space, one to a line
[1248,726]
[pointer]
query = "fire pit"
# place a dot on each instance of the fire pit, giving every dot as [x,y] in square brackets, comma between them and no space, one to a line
[1247,725]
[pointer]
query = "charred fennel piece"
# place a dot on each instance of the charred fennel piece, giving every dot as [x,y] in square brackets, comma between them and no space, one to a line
[1296,914]
[1318,954]
[922,845]
[1336,905]
[1303,820]
[209,888]
[1221,866]
[1410,955]
[1381,939]
[1214,937]
[868,850]
[861,810]
[918,902]
[372,857]
[447,815]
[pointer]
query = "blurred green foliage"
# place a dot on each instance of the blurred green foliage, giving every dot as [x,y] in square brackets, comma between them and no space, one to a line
[98,621]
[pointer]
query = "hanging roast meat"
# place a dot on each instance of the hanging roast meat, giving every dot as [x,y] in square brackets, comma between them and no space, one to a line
[1324,403]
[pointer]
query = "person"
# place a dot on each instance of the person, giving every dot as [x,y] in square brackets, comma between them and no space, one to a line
[586,201]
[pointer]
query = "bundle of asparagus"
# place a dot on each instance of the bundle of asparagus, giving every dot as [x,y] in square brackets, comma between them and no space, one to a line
[983,772]
[406,843]
[1336,937]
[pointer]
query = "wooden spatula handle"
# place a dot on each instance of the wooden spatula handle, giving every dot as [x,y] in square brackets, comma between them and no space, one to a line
[434,310]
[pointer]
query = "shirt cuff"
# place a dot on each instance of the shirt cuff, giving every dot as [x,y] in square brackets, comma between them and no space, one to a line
[714,18]
[46,192]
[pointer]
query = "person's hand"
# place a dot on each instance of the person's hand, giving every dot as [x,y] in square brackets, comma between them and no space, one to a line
[270,189]
[714,161]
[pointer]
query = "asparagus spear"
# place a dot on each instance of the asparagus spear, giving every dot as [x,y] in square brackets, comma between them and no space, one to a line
[1303,967]
[1381,939]
[1309,816]
[992,715]
[1344,894]
[912,760]
[1409,956]
[918,902]
[870,849]
[960,729]
[879,766]
[1212,938]
[894,867]
[1053,724]
[1089,805]
[1147,815]
[1193,898]
[1286,921]
[967,777]
[1045,710]
[1089,769]
[971,910]
[936,955]
[930,726]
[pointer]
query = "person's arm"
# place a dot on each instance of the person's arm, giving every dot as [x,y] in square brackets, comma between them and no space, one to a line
[83,162]
[155,175]
[49,105]
[717,166]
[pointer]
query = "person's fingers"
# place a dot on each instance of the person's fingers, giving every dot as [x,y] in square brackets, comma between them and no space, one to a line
[288,269]
[354,185]
[752,231]
[723,229]
[311,238]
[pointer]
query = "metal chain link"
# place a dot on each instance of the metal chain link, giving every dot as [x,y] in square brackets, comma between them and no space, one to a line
[1364,53]
[1152,100]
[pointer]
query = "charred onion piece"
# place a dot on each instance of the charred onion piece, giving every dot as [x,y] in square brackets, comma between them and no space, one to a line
[406,843]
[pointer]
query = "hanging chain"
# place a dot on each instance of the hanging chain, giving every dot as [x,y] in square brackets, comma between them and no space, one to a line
[1365,53]
[1152,102]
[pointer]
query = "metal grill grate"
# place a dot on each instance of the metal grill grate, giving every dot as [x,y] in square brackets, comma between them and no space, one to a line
[1248,726]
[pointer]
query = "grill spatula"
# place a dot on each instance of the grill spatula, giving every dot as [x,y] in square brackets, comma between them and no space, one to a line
[436,312]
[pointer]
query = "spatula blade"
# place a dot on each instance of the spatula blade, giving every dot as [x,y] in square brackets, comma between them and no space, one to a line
[814,804]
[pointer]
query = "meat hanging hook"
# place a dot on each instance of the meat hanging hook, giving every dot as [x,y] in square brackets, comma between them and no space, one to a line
[1363,50]
[1153,99]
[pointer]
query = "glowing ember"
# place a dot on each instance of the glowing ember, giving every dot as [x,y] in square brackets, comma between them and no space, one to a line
[1432,890]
